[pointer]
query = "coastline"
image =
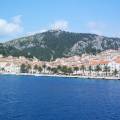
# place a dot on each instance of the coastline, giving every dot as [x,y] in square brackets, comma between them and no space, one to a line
[64,76]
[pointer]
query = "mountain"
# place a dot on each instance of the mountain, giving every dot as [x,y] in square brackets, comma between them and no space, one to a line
[56,44]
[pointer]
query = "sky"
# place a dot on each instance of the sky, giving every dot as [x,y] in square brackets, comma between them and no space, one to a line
[25,17]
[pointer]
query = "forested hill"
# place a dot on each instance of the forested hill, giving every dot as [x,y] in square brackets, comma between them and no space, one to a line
[56,44]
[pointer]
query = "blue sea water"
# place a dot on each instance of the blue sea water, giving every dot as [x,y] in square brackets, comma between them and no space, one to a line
[52,98]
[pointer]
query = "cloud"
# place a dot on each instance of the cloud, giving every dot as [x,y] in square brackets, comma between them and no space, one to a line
[96,27]
[61,24]
[10,27]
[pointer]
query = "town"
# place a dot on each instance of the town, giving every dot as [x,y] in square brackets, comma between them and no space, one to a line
[104,64]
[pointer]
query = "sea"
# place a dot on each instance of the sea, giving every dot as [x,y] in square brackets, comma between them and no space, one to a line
[58,98]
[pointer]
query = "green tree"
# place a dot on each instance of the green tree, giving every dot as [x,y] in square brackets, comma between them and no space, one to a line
[76,69]
[24,68]
[90,69]
[29,67]
[40,69]
[49,69]
[64,69]
[98,69]
[36,68]
[54,70]
[69,70]
[59,67]
[3,69]
[115,72]
[83,69]
[106,69]
[44,67]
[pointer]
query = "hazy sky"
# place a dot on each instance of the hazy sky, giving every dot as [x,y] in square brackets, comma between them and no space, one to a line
[25,17]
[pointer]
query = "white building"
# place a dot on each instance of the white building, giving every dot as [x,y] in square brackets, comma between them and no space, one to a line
[114,65]
[12,68]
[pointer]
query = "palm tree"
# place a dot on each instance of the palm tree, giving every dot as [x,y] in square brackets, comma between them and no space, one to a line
[83,69]
[54,70]
[90,69]
[24,68]
[64,69]
[59,68]
[36,68]
[69,70]
[3,69]
[106,69]
[44,67]
[28,67]
[40,69]
[115,72]
[49,69]
[76,69]
[98,69]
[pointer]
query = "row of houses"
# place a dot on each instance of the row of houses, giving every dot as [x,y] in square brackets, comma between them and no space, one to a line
[110,58]
[112,64]
[13,64]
